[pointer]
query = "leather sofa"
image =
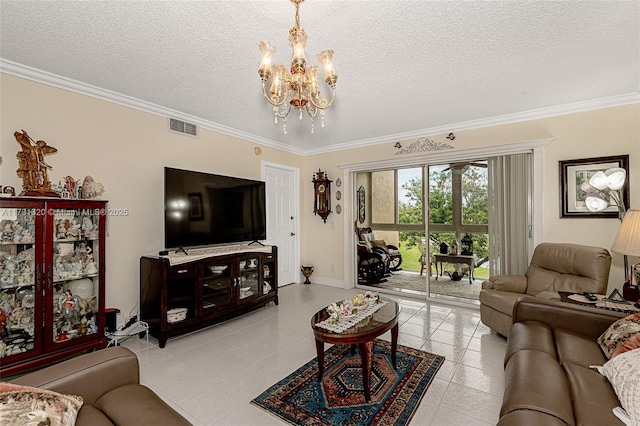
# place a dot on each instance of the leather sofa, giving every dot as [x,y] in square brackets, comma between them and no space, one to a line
[108,380]
[547,376]
[554,267]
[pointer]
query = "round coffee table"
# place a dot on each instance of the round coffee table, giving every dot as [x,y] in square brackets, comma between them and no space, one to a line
[361,334]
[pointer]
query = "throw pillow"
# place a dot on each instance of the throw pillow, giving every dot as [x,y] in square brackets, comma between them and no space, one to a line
[363,248]
[621,336]
[380,243]
[623,372]
[24,405]
[367,237]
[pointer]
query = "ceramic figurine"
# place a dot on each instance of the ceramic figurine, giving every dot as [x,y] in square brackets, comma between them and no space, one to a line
[91,188]
[69,304]
[17,232]
[26,236]
[92,326]
[74,229]
[7,231]
[87,225]
[61,229]
[91,269]
[31,165]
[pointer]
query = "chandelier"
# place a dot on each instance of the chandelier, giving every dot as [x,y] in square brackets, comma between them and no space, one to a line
[299,89]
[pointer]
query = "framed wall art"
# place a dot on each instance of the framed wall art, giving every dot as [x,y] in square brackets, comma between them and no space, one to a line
[575,187]
[361,204]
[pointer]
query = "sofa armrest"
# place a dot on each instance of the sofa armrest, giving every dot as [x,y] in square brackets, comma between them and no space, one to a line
[580,319]
[90,375]
[512,283]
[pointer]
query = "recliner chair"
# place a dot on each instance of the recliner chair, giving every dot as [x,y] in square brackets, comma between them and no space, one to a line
[554,267]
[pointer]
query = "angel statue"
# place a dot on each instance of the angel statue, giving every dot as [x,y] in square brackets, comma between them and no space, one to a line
[31,165]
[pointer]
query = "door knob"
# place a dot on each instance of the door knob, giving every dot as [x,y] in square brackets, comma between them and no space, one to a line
[292,234]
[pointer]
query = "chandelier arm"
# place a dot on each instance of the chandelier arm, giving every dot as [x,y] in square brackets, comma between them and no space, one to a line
[268,98]
[333,96]
[312,110]
[285,113]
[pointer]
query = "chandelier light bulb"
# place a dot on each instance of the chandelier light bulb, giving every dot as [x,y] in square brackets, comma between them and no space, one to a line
[299,89]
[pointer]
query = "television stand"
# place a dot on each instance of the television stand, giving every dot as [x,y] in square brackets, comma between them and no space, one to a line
[178,296]
[256,242]
[183,250]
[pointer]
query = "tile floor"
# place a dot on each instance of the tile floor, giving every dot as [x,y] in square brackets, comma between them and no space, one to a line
[210,376]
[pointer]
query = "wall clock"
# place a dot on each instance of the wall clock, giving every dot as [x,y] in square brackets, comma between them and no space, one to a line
[322,195]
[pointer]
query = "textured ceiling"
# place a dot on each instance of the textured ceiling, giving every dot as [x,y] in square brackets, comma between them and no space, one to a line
[406,68]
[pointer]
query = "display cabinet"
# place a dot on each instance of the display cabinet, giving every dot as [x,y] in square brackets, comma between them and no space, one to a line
[180,298]
[51,280]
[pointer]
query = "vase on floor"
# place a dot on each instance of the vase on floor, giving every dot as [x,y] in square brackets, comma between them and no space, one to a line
[306,272]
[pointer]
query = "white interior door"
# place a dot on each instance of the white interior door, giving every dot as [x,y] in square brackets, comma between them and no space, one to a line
[282,218]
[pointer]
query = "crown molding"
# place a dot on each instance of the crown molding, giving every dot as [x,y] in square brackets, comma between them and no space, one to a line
[609,102]
[50,79]
[44,77]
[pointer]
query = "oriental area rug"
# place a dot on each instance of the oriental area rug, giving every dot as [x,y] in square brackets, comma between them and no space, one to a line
[300,399]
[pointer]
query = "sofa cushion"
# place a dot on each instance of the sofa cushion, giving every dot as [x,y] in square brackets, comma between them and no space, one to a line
[529,418]
[502,301]
[540,279]
[623,372]
[622,336]
[91,416]
[137,405]
[593,396]
[535,381]
[380,244]
[578,348]
[530,335]
[28,405]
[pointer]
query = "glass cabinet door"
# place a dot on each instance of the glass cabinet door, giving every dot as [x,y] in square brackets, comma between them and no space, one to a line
[75,274]
[249,278]
[20,281]
[217,284]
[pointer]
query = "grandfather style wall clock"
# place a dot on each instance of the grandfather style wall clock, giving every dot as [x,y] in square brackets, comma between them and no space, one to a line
[322,195]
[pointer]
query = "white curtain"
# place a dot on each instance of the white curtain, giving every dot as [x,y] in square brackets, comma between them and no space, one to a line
[509,213]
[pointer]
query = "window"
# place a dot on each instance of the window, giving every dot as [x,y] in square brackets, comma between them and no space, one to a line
[398,197]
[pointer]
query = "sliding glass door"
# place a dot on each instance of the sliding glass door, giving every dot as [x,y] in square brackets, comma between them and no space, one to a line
[443,219]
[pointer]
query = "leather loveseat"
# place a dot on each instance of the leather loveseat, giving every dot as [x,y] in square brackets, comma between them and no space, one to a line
[109,383]
[554,267]
[547,376]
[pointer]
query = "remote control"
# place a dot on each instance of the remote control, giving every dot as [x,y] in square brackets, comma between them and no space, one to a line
[590,296]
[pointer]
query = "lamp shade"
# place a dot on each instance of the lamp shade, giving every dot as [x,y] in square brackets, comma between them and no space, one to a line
[595,204]
[616,178]
[627,241]
[599,180]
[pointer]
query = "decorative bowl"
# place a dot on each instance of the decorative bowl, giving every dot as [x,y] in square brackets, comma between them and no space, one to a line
[176,315]
[218,269]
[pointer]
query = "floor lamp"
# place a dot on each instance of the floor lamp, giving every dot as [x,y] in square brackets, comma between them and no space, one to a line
[627,243]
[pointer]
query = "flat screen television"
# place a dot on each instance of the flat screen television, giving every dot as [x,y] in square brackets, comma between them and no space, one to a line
[203,209]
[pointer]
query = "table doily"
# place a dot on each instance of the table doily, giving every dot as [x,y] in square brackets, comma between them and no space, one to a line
[346,323]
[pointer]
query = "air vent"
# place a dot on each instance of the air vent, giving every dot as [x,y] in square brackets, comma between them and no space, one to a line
[180,126]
